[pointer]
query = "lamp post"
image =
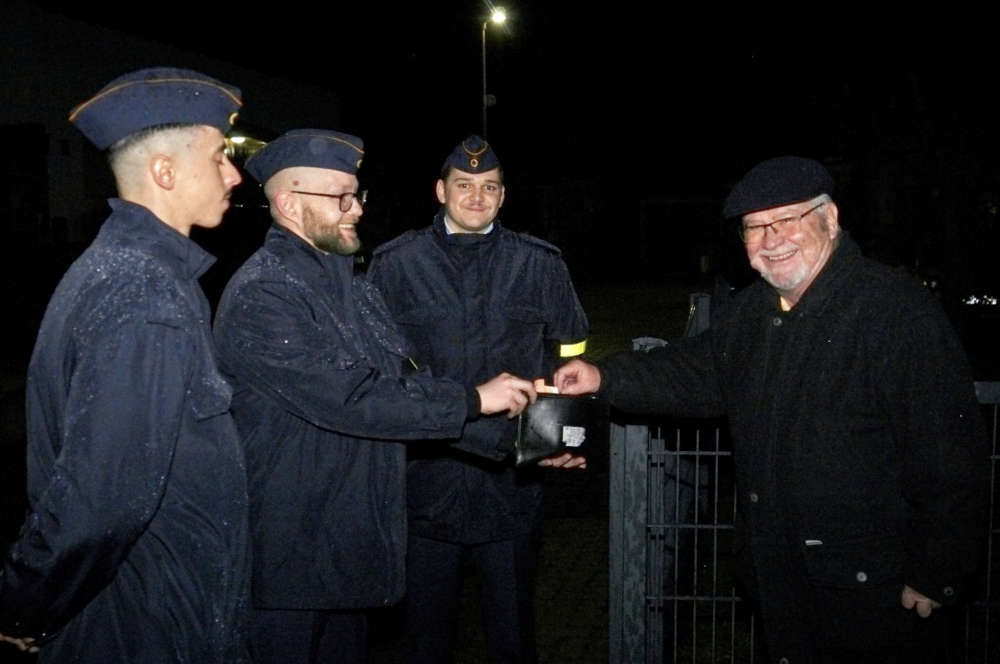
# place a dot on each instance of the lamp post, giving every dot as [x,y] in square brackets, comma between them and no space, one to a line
[498,16]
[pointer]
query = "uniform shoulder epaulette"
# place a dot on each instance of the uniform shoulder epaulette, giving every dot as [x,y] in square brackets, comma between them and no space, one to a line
[531,239]
[405,238]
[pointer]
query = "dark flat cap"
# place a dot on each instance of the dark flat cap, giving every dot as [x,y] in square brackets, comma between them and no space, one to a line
[152,97]
[473,155]
[776,182]
[318,148]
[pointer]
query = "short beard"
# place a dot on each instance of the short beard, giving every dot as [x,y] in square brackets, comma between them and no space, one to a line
[325,238]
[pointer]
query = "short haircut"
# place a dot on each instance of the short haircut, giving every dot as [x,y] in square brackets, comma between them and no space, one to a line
[123,145]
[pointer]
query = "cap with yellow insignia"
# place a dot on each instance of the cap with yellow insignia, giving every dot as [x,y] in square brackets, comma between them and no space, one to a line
[151,97]
[473,155]
[318,148]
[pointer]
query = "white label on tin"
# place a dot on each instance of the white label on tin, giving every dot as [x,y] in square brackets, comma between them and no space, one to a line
[573,436]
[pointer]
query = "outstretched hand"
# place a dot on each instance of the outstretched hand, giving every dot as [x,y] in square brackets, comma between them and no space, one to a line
[577,377]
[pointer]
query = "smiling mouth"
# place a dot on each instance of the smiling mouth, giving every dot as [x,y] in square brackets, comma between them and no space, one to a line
[781,257]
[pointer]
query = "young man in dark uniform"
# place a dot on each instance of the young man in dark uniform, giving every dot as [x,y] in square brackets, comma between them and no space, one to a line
[476,298]
[136,546]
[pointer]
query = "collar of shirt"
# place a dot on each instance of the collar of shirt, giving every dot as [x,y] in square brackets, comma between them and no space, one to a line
[449,228]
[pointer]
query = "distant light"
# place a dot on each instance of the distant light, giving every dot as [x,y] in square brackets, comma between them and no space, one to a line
[498,16]
[980,300]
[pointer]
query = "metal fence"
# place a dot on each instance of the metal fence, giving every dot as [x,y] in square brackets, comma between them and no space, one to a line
[672,507]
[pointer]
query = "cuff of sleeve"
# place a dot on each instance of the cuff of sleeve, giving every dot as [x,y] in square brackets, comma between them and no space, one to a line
[473,404]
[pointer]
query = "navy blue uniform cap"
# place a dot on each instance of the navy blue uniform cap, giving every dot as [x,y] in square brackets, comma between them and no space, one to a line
[152,97]
[473,155]
[319,148]
[776,182]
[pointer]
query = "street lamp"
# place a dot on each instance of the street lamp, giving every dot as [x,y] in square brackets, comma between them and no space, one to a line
[498,16]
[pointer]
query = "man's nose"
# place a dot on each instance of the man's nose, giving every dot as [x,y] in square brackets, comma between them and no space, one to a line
[772,236]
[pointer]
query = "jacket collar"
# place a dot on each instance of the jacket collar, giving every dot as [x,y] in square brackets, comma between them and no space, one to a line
[137,226]
[463,239]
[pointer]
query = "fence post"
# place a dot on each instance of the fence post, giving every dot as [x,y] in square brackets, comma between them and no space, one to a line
[627,544]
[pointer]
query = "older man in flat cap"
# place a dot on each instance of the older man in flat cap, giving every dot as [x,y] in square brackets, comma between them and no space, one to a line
[859,450]
[135,548]
[326,390]
[476,298]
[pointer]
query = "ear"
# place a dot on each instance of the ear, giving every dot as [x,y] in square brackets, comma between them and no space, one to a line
[161,169]
[286,206]
[833,219]
[503,196]
[439,189]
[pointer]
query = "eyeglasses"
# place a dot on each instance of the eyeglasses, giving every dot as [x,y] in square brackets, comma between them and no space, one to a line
[755,233]
[346,199]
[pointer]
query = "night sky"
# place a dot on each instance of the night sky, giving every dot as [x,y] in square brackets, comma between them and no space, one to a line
[614,106]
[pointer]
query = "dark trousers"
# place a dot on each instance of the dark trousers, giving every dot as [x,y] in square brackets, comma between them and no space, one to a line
[279,636]
[506,573]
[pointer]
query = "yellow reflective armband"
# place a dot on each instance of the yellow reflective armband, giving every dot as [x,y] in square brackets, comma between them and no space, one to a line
[572,350]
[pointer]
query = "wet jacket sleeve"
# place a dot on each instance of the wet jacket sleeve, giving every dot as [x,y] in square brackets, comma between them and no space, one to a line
[271,340]
[928,393]
[122,417]
[678,379]
[566,332]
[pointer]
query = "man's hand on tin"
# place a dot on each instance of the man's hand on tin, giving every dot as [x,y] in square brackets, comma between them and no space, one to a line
[505,392]
[564,461]
[924,605]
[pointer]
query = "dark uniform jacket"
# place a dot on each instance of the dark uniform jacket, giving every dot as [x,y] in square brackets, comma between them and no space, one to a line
[857,442]
[136,545]
[320,394]
[473,306]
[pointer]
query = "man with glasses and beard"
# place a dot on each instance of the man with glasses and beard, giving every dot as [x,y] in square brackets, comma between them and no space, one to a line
[325,391]
[860,455]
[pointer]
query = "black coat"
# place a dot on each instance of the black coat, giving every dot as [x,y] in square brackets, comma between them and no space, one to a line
[136,545]
[320,397]
[475,305]
[859,450]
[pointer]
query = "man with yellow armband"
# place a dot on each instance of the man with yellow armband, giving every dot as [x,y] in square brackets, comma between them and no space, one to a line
[475,298]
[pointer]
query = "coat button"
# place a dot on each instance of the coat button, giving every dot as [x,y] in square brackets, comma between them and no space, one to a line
[754,497]
[861,577]
[783,660]
[777,321]
[948,591]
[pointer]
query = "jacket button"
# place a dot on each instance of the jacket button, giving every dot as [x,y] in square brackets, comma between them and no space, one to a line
[777,322]
[861,577]
[948,591]
[783,660]
[754,497]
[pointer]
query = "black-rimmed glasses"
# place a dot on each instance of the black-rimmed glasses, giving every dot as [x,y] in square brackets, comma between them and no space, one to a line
[346,199]
[755,233]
